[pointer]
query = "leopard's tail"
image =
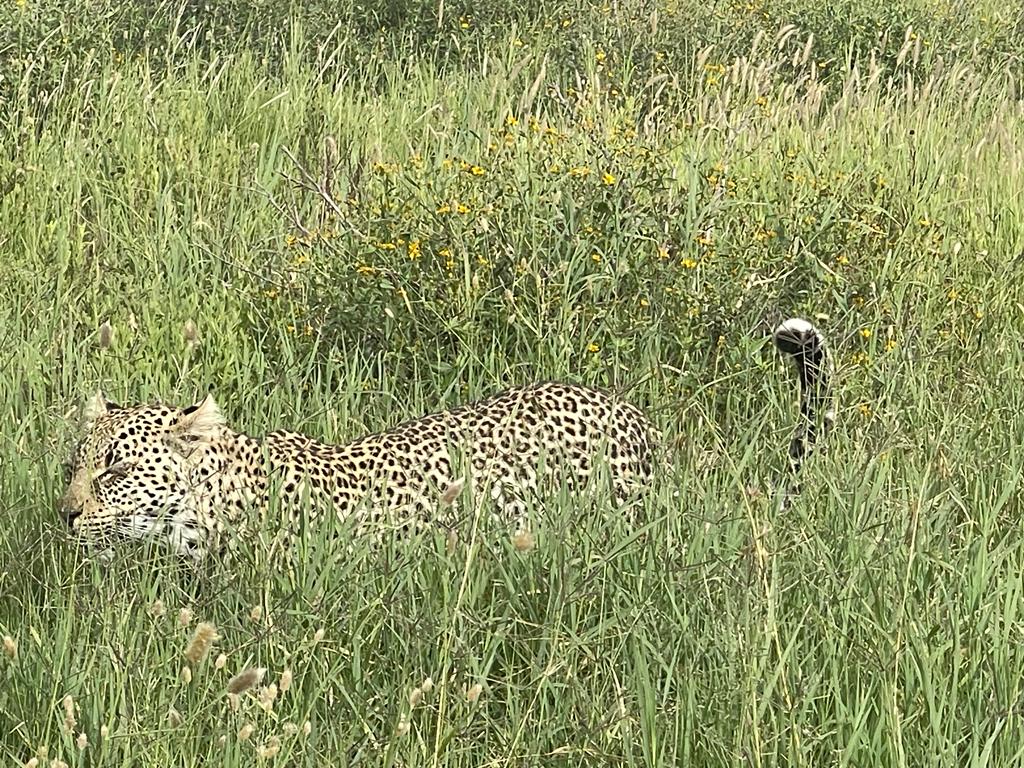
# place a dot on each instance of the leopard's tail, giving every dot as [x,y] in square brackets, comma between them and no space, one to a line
[806,345]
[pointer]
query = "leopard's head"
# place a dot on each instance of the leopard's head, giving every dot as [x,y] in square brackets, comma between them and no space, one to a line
[133,473]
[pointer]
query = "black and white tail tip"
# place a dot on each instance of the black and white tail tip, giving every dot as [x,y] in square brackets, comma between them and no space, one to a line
[805,344]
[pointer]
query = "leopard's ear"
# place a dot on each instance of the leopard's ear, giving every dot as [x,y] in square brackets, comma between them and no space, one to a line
[203,419]
[93,408]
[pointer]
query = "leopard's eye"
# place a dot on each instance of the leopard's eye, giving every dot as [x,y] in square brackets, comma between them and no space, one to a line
[108,458]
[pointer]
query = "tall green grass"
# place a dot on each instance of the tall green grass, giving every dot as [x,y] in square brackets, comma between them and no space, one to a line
[595,194]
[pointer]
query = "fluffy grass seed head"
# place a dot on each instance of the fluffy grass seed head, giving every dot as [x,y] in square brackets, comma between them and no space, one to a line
[452,492]
[106,335]
[307,728]
[285,682]
[473,693]
[185,617]
[319,635]
[203,638]
[415,697]
[267,697]
[156,609]
[58,763]
[523,541]
[190,332]
[220,662]
[104,731]
[245,732]
[270,749]
[82,741]
[174,718]
[69,713]
[246,679]
[10,648]
[186,675]
[427,685]
[403,727]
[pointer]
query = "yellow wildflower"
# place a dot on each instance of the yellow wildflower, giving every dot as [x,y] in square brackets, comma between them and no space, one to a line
[592,347]
[414,249]
[608,179]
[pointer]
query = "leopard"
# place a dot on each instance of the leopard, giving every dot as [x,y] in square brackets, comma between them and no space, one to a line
[184,477]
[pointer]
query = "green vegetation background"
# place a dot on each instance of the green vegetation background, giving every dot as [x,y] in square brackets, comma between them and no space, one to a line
[342,215]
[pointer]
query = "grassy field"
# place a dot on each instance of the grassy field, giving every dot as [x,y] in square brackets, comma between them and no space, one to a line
[338,218]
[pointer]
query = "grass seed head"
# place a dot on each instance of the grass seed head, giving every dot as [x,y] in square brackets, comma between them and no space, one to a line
[246,679]
[285,682]
[156,609]
[104,731]
[307,728]
[185,617]
[234,702]
[452,492]
[174,717]
[267,697]
[245,732]
[415,697]
[69,713]
[403,728]
[256,614]
[290,729]
[473,693]
[31,763]
[186,675]
[82,741]
[427,685]
[190,332]
[220,662]
[318,635]
[58,764]
[204,637]
[106,335]
[271,748]
[10,647]
[523,541]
